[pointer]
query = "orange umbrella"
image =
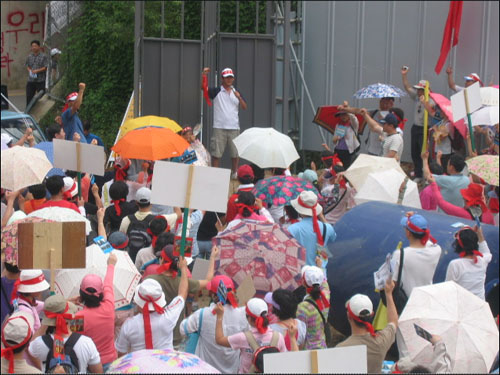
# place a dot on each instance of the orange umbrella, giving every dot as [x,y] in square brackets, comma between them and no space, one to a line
[150,143]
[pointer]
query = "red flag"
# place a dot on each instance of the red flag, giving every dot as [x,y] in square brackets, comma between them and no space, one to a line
[205,89]
[451,29]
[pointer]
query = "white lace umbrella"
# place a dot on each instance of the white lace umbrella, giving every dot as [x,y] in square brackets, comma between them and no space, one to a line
[61,214]
[266,147]
[365,164]
[23,167]
[384,186]
[126,277]
[487,115]
[463,320]
[489,96]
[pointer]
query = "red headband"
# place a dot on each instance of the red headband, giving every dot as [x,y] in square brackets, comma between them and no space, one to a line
[314,218]
[463,253]
[416,229]
[335,159]
[167,263]
[401,122]
[61,325]
[368,326]
[19,282]
[259,321]
[8,351]
[322,301]
[121,246]
[148,334]
[241,207]
[118,209]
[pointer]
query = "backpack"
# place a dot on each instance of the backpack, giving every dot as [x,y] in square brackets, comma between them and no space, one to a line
[255,346]
[137,234]
[70,362]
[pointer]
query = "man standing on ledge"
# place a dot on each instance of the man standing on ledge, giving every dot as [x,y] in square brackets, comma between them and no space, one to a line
[226,121]
[36,63]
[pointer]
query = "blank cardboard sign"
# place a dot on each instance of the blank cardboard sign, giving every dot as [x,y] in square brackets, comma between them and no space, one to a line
[200,269]
[92,157]
[35,240]
[458,101]
[350,359]
[209,186]
[245,290]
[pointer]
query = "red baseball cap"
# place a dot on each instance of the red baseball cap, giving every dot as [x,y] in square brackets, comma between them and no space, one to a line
[214,283]
[245,170]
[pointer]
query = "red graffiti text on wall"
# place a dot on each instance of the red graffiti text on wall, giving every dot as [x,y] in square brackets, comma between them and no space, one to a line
[18,23]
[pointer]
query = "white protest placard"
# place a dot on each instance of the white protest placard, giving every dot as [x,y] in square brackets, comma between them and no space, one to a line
[208,190]
[349,359]
[383,273]
[458,106]
[80,157]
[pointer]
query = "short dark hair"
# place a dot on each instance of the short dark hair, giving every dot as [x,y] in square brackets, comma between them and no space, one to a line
[287,303]
[326,154]
[91,300]
[36,42]
[21,348]
[435,168]
[118,190]
[72,174]
[52,130]
[246,197]
[259,359]
[38,191]
[11,268]
[457,161]
[419,369]
[418,236]
[54,184]
[164,239]
[291,212]
[245,180]
[469,241]
[143,205]
[398,112]
[87,125]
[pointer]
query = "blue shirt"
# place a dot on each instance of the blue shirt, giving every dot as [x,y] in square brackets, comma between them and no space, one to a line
[304,233]
[450,188]
[91,136]
[72,124]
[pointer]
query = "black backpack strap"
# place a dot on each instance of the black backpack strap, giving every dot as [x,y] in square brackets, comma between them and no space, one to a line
[324,232]
[47,340]
[69,349]
[399,283]
[317,308]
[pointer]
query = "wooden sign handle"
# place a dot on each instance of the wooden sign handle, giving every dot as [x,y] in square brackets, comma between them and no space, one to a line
[79,168]
[469,122]
[314,362]
[52,256]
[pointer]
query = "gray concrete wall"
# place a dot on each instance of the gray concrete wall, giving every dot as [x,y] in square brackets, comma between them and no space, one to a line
[351,44]
[22,22]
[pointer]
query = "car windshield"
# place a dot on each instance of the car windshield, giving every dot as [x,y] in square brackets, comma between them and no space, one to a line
[17,126]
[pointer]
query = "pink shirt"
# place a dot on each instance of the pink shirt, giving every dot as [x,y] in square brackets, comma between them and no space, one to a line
[99,322]
[239,341]
[427,199]
[451,209]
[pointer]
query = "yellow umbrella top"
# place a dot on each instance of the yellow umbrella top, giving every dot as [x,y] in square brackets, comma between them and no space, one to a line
[139,122]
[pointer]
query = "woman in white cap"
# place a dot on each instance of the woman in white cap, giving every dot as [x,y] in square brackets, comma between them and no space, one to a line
[309,232]
[313,310]
[156,316]
[27,290]
[16,335]
[260,333]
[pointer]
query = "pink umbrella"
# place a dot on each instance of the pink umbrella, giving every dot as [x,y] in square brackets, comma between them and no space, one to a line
[445,104]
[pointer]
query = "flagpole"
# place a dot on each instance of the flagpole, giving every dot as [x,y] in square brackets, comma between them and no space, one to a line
[469,122]
[426,118]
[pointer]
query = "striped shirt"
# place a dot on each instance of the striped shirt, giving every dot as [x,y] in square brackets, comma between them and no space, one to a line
[35,62]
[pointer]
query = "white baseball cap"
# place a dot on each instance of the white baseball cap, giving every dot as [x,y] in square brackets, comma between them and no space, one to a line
[149,288]
[359,303]
[421,84]
[227,72]
[313,275]
[55,51]
[257,306]
[143,195]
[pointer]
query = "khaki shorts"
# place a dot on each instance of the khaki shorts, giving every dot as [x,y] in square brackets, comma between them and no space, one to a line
[222,137]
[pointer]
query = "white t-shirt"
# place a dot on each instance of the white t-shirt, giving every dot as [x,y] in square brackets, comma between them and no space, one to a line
[226,360]
[301,330]
[171,219]
[374,145]
[132,338]
[226,106]
[143,256]
[419,265]
[468,274]
[85,350]
[393,142]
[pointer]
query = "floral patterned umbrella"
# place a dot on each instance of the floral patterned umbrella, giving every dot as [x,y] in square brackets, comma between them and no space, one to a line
[486,167]
[9,239]
[379,90]
[158,361]
[279,190]
[265,251]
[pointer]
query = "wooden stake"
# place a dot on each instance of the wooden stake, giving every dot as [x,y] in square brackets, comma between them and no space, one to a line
[79,168]
[426,118]
[52,255]
[314,362]
[186,208]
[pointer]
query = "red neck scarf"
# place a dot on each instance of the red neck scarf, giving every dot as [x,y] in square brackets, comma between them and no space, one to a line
[475,253]
[61,325]
[8,350]
[416,229]
[314,219]
[368,326]
[322,301]
[259,321]
[241,207]
[118,209]
[148,334]
[121,173]
[19,282]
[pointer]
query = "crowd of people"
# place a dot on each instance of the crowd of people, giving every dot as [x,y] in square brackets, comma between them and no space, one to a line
[233,337]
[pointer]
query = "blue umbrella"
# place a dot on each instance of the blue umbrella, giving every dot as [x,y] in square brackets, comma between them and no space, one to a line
[379,90]
[48,148]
